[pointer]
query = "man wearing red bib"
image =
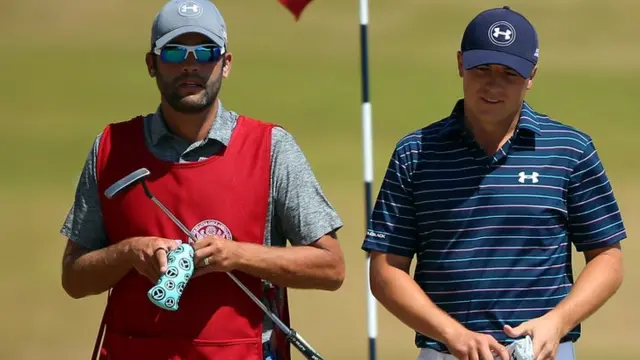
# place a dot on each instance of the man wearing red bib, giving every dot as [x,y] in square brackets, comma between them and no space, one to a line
[242,186]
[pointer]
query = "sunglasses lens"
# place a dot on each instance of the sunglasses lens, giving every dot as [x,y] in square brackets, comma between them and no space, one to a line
[178,54]
[207,54]
[173,54]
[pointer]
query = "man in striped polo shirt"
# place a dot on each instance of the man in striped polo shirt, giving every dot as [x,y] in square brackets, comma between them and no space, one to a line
[490,200]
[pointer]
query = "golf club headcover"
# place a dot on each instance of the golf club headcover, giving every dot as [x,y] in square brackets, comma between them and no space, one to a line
[167,291]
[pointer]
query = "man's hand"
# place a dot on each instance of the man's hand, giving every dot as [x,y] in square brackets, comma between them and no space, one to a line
[215,253]
[149,255]
[545,331]
[469,345]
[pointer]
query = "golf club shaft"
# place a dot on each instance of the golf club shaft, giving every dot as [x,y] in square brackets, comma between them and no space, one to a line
[302,346]
[175,219]
[292,336]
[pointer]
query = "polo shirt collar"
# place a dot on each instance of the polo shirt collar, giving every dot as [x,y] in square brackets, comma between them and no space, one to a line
[220,130]
[455,124]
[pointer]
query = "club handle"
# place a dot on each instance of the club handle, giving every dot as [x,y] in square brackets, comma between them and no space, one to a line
[302,346]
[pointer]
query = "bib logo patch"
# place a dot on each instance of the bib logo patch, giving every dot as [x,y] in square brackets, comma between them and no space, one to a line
[210,228]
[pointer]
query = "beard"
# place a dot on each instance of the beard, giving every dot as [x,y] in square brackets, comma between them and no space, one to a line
[192,103]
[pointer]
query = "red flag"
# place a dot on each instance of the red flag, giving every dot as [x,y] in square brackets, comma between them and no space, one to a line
[295,6]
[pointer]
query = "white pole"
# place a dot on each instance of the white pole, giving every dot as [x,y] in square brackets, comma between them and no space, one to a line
[367,141]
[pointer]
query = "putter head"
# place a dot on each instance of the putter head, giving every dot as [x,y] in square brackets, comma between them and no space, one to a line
[126,181]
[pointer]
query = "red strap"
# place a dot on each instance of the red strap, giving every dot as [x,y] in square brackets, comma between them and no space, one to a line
[98,343]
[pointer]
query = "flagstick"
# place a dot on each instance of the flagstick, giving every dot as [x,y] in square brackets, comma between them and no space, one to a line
[367,140]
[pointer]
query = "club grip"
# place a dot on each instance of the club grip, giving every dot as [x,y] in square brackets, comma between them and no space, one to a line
[300,344]
[167,291]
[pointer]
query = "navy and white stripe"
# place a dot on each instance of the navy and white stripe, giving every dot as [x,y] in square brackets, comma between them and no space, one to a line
[493,235]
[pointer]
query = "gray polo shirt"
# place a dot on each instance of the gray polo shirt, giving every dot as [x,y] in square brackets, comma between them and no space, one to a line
[298,210]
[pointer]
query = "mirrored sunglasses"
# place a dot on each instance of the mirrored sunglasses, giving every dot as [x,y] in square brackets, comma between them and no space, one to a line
[175,54]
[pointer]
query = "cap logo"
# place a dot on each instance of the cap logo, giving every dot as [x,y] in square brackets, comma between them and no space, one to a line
[502,33]
[190,9]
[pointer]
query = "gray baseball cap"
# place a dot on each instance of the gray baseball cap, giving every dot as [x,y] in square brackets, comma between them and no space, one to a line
[179,17]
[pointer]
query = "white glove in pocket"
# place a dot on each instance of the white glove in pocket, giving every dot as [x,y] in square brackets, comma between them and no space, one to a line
[521,349]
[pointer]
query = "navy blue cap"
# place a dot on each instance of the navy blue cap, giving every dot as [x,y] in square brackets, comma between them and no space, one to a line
[501,36]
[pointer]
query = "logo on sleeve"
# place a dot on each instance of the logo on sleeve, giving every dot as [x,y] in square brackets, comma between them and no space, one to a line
[372,233]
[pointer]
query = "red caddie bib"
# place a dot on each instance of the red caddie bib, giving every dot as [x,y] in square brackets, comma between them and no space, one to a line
[225,195]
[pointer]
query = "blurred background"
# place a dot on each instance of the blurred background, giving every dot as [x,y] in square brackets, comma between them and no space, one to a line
[70,67]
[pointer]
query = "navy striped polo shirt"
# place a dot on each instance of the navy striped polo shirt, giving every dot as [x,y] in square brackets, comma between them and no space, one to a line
[493,235]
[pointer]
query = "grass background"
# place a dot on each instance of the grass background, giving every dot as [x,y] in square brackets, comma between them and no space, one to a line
[69,68]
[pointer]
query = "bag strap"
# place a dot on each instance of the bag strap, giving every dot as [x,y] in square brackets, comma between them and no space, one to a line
[98,343]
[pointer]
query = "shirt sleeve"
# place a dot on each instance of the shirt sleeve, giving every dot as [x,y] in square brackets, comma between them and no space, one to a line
[84,224]
[392,228]
[302,211]
[594,217]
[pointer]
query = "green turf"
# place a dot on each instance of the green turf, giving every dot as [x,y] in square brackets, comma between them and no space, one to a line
[70,67]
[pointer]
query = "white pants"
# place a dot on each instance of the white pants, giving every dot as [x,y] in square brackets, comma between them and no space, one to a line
[565,352]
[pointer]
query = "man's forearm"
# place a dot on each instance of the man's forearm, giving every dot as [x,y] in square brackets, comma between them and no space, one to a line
[302,267]
[402,296]
[598,281]
[92,273]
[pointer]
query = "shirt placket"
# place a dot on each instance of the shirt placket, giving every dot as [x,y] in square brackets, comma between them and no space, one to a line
[500,156]
[481,157]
